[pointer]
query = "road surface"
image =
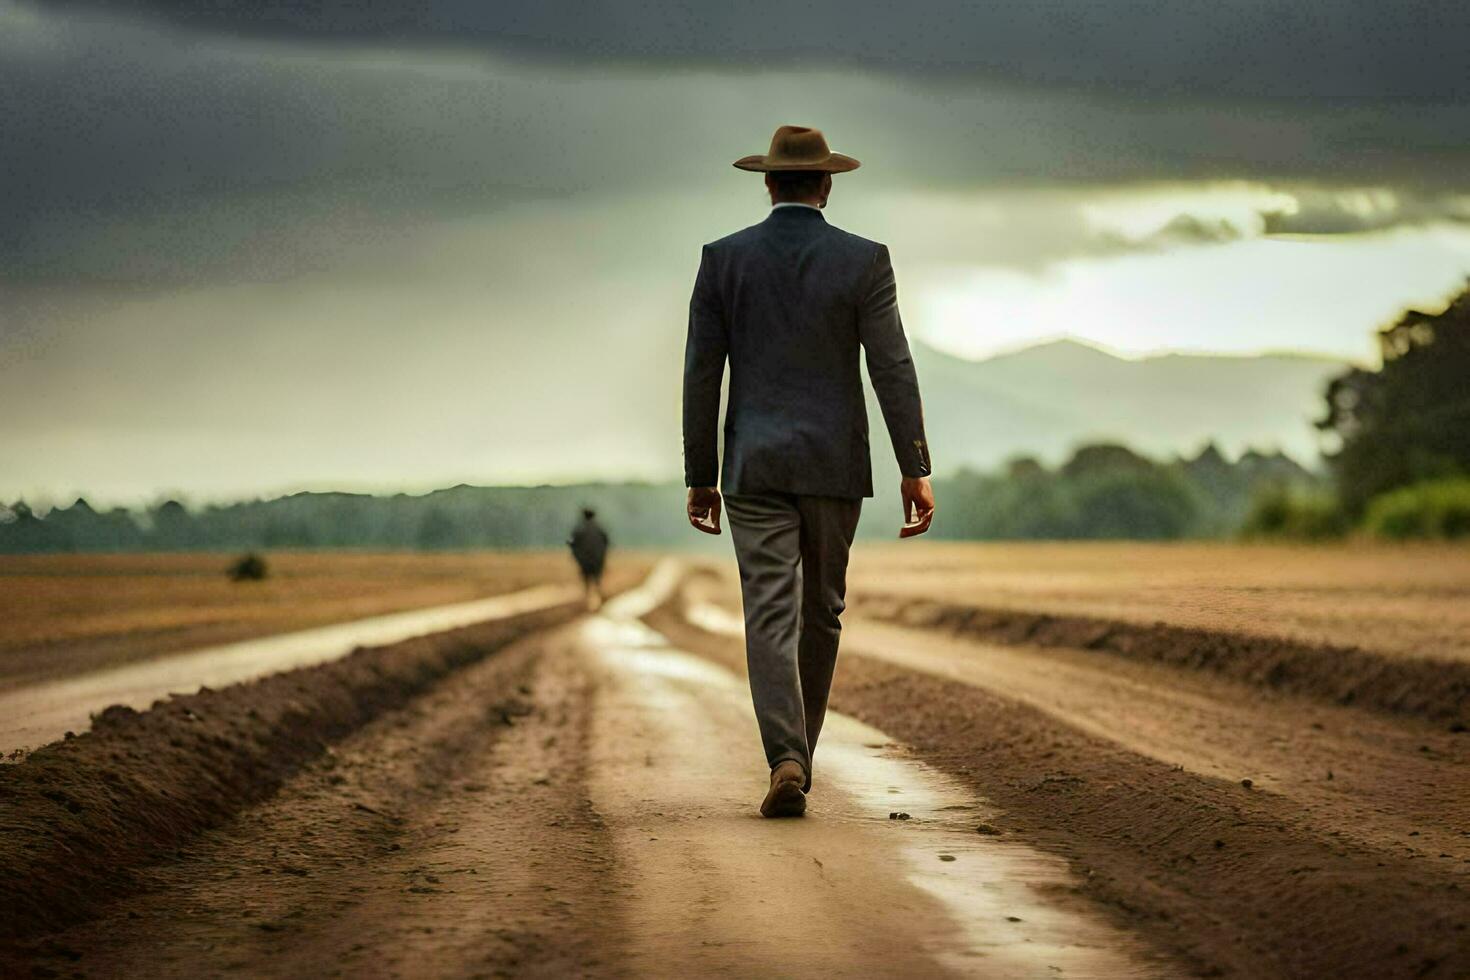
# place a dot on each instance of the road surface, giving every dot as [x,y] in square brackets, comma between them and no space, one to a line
[585,803]
[35,714]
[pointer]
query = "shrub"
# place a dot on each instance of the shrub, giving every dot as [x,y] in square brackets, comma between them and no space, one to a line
[250,568]
[1434,509]
[1281,511]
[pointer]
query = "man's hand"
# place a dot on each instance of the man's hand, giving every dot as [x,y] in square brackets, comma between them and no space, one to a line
[918,505]
[704,509]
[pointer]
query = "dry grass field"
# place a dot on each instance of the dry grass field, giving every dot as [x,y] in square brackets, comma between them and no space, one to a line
[1406,600]
[66,614]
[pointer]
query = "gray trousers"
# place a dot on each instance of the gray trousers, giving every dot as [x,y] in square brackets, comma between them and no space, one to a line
[792,551]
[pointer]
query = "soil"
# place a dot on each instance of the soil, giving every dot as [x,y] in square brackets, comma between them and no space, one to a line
[1346,856]
[577,797]
[65,615]
[1410,600]
[583,803]
[449,838]
[78,816]
[1436,690]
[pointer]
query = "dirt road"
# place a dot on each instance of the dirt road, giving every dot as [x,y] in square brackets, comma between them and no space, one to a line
[850,891]
[1257,833]
[583,803]
[1359,775]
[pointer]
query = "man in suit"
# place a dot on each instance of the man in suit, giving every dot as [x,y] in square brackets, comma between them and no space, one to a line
[790,303]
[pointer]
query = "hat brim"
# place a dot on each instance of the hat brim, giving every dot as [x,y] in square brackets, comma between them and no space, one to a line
[836,163]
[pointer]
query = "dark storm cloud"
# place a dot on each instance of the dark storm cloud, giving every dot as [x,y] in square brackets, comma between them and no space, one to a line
[1311,49]
[127,155]
[1348,212]
[1315,211]
[253,244]
[138,153]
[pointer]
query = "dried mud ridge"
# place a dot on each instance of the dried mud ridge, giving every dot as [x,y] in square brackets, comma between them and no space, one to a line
[78,817]
[1435,690]
[1235,882]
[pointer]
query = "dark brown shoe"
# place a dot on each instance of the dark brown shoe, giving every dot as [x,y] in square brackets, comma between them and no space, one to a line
[785,798]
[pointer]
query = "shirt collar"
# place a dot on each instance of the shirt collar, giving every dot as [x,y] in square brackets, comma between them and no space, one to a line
[794,204]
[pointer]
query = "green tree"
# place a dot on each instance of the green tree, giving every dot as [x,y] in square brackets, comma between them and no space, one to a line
[1285,510]
[1410,420]
[1153,504]
[1104,457]
[25,533]
[173,527]
[437,531]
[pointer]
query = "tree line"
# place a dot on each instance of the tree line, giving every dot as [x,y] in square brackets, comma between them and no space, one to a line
[458,517]
[1401,434]
[1398,441]
[1398,464]
[1101,491]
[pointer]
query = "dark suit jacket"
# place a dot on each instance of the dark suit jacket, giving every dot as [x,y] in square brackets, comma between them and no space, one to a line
[589,545]
[789,302]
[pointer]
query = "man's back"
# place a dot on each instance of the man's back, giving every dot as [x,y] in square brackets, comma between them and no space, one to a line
[789,302]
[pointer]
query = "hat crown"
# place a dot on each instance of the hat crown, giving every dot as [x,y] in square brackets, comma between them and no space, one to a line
[798,148]
[798,144]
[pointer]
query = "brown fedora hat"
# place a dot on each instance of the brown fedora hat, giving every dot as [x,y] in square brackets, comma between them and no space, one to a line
[799,148]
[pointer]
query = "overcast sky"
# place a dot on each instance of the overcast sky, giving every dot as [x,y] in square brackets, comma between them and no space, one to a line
[250,248]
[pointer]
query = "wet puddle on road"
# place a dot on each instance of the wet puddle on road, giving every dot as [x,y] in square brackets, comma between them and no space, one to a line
[719,891]
[989,887]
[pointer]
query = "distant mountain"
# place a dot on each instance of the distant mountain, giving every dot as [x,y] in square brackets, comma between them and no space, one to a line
[1045,400]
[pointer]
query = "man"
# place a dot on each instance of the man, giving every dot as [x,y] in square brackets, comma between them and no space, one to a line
[589,549]
[789,303]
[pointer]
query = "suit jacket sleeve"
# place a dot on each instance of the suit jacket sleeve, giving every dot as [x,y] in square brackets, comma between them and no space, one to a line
[891,368]
[704,369]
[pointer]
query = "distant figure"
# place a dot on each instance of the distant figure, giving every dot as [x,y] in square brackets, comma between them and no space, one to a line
[589,547]
[791,303]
